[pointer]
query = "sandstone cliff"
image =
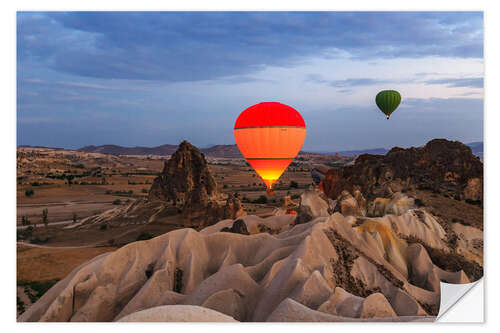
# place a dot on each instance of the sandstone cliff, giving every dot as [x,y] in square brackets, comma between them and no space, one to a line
[442,166]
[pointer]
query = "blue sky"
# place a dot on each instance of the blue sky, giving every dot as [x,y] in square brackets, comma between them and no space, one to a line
[154,78]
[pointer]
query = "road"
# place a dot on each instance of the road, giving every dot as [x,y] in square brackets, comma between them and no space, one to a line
[40,225]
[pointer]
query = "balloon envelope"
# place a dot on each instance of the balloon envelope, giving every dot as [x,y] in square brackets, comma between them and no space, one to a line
[387,101]
[269,135]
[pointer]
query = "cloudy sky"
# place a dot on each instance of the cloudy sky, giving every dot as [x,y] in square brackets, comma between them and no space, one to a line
[154,78]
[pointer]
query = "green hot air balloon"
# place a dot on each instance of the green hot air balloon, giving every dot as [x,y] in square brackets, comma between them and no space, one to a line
[387,101]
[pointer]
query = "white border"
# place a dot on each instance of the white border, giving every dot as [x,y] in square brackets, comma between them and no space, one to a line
[8,140]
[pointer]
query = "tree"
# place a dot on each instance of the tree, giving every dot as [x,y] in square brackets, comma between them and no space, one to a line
[261,200]
[29,192]
[294,184]
[25,220]
[45,217]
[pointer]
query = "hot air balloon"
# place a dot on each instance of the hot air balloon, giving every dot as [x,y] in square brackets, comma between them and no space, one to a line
[269,135]
[387,101]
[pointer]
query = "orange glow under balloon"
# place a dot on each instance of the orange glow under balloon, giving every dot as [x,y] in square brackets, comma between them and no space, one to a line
[270,135]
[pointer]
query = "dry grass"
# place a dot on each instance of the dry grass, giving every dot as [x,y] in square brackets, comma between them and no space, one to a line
[450,210]
[43,264]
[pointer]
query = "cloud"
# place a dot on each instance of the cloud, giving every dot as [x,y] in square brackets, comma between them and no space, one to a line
[346,83]
[475,82]
[194,46]
[445,105]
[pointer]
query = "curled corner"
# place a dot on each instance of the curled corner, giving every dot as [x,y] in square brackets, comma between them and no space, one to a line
[451,294]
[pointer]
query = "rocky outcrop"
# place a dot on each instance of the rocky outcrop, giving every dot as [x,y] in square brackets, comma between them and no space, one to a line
[348,205]
[398,204]
[186,182]
[198,215]
[474,189]
[238,227]
[441,166]
[313,203]
[177,313]
[318,172]
[185,188]
[186,179]
[376,306]
[326,269]
[287,201]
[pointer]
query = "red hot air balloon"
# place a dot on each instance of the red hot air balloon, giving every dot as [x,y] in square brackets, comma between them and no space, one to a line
[269,135]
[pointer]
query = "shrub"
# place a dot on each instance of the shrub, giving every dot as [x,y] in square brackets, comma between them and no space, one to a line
[117,202]
[419,203]
[295,196]
[261,200]
[45,217]
[38,240]
[36,289]
[144,236]
[144,190]
[29,192]
[25,234]
[294,184]
[103,227]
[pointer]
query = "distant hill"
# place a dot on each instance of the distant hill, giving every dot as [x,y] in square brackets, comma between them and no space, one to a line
[232,151]
[374,151]
[477,149]
[119,150]
[44,147]
[229,151]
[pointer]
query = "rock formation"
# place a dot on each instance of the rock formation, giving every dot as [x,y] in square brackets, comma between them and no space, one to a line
[314,203]
[318,172]
[185,179]
[364,250]
[397,204]
[326,269]
[348,205]
[185,188]
[441,166]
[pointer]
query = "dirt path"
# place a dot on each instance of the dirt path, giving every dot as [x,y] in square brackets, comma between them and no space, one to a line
[55,247]
[40,225]
[65,203]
